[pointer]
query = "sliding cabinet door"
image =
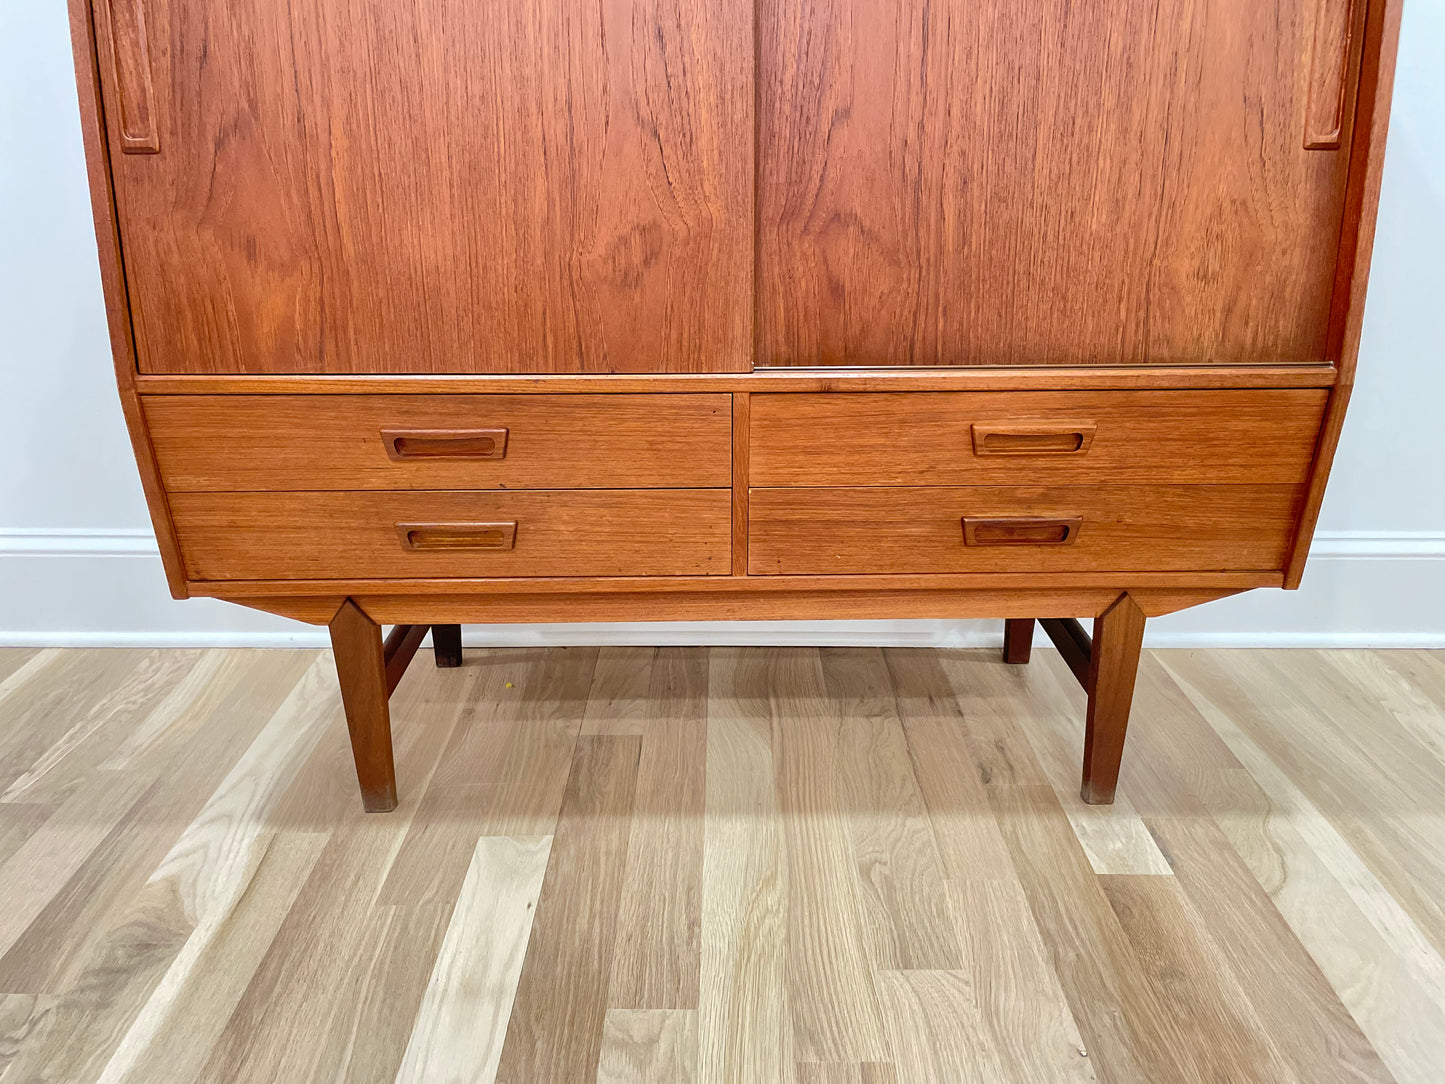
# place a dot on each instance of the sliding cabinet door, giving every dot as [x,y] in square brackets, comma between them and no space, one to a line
[370,186]
[1038,182]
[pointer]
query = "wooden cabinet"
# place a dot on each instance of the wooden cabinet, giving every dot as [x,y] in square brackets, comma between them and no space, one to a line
[687,309]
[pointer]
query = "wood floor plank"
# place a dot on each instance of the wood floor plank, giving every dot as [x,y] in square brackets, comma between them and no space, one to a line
[275,1030]
[458,1030]
[18,666]
[949,781]
[382,993]
[62,939]
[46,861]
[287,1023]
[657,956]
[649,1046]
[1113,836]
[1399,1005]
[175,1030]
[830,987]
[811,1072]
[18,822]
[19,1016]
[1409,685]
[1127,1038]
[211,866]
[210,681]
[440,846]
[1219,1037]
[1022,1009]
[533,763]
[935,1028]
[1376,784]
[744,1026]
[94,732]
[986,689]
[555,1030]
[1313,1032]
[12,659]
[621,684]
[57,692]
[1392,891]
[900,871]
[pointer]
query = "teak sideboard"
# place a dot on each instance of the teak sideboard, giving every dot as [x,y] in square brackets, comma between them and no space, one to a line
[427,313]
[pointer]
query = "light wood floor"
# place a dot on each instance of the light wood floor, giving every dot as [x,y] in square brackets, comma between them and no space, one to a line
[732,865]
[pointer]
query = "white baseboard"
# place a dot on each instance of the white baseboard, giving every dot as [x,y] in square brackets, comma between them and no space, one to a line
[93,588]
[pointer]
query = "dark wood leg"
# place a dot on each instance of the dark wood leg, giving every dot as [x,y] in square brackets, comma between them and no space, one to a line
[361,669]
[1113,664]
[1018,639]
[446,641]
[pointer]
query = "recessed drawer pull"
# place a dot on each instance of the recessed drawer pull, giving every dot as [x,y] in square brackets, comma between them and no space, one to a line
[130,53]
[457,536]
[1050,439]
[1021,531]
[445,443]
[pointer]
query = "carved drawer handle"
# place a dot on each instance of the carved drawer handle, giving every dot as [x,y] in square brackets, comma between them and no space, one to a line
[403,444]
[1051,438]
[1021,531]
[417,537]
[130,54]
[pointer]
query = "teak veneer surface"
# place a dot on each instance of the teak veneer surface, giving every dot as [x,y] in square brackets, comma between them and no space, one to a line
[435,187]
[249,536]
[960,183]
[930,438]
[918,529]
[276,442]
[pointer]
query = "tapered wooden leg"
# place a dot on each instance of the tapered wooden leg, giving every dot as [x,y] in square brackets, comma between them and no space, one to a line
[1113,663]
[446,641]
[1018,639]
[361,669]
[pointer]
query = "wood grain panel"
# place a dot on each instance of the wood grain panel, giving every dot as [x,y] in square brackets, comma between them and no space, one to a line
[884,529]
[327,535]
[946,182]
[439,188]
[291,442]
[1247,436]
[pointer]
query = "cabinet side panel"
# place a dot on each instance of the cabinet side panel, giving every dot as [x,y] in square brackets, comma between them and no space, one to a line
[1362,199]
[112,276]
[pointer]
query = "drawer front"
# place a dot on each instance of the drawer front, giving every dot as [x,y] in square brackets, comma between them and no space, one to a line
[1020,529]
[348,442]
[1034,438]
[379,535]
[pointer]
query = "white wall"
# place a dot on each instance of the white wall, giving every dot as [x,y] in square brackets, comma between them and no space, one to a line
[78,563]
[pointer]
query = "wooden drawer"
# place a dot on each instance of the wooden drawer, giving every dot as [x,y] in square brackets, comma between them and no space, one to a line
[1020,529]
[1034,438]
[371,535]
[315,442]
